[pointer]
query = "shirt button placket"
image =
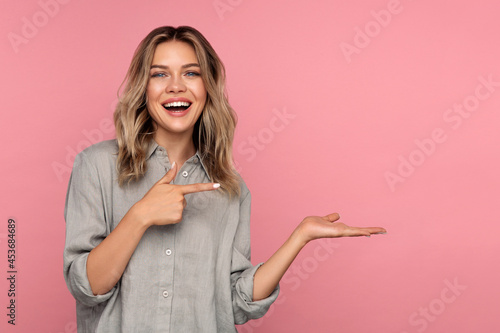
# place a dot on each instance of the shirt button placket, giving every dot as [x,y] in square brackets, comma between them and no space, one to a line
[166,284]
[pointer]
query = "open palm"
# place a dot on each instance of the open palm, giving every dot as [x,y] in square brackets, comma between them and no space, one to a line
[314,227]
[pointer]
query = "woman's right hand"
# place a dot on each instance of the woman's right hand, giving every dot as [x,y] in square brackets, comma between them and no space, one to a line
[164,202]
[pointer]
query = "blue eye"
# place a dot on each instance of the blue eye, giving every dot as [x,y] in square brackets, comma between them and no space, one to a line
[192,74]
[158,75]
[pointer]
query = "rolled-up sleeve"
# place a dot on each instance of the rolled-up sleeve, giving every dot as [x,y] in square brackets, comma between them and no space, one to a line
[86,227]
[242,272]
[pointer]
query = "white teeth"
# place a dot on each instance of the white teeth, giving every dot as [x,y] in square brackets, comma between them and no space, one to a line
[176,104]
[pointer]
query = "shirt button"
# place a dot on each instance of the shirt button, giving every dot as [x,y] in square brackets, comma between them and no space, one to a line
[168,252]
[184,174]
[165,293]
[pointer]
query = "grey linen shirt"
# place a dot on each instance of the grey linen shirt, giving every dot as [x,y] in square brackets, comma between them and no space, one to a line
[194,276]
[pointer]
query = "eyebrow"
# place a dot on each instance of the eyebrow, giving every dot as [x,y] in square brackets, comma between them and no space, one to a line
[183,66]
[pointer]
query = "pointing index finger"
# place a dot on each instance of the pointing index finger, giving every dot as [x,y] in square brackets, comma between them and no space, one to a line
[198,187]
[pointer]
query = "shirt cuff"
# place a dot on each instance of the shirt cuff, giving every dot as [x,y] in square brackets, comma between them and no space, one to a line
[250,309]
[79,285]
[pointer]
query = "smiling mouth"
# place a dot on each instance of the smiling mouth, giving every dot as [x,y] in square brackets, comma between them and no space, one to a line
[177,106]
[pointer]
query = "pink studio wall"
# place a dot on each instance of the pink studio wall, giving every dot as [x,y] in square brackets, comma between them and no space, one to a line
[386,111]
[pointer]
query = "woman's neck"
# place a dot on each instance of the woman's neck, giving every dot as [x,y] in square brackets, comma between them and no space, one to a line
[179,148]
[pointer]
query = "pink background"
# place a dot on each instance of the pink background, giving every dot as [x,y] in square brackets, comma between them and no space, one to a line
[359,88]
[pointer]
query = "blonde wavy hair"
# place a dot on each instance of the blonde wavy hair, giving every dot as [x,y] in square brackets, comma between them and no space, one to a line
[214,130]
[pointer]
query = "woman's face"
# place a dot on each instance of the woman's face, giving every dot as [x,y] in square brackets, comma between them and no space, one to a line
[176,93]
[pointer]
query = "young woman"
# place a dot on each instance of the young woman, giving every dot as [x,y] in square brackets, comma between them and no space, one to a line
[158,220]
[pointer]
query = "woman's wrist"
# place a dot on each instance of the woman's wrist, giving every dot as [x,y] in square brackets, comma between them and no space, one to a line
[298,238]
[138,217]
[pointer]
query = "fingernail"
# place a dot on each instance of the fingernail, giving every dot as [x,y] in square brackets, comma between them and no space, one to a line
[173,164]
[381,233]
[216,185]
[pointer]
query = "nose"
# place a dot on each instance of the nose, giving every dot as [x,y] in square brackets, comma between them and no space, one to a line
[175,84]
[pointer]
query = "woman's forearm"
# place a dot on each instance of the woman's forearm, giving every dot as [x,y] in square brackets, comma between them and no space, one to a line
[268,275]
[108,260]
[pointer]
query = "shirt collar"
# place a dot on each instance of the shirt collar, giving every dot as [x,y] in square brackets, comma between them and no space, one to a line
[153,145]
[151,148]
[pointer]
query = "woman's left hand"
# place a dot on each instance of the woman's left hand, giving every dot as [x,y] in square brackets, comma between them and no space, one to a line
[314,227]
